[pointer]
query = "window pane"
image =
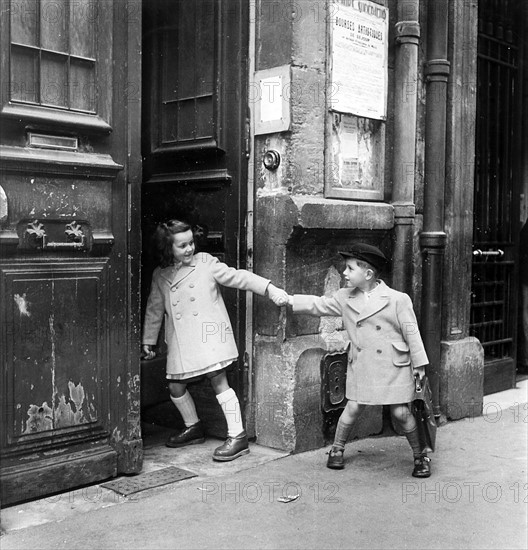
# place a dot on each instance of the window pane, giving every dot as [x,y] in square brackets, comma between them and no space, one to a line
[186,52]
[53,79]
[186,122]
[24,74]
[204,117]
[205,43]
[82,17]
[82,85]
[53,28]
[24,29]
[169,88]
[169,123]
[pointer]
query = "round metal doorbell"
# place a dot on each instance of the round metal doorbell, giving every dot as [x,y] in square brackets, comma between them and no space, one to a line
[271,159]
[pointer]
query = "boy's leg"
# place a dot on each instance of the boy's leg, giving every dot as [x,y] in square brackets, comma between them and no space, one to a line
[236,443]
[193,432]
[345,424]
[404,416]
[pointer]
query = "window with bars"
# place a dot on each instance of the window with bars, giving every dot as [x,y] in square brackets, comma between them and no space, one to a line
[188,91]
[53,53]
[59,58]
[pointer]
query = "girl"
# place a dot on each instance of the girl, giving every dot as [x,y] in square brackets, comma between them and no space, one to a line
[185,289]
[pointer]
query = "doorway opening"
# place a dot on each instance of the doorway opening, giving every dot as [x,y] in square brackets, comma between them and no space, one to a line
[194,124]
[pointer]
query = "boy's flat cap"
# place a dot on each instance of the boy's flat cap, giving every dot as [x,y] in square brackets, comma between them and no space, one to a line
[368,253]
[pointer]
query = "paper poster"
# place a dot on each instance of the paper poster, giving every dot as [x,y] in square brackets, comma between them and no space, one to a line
[359,58]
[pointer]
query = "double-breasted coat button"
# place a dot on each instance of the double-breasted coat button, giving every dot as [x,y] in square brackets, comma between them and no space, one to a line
[193,298]
[378,351]
[378,327]
[191,285]
[195,313]
[173,289]
[359,323]
[178,315]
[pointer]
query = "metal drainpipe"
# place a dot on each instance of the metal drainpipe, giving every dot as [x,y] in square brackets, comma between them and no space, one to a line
[405,98]
[433,236]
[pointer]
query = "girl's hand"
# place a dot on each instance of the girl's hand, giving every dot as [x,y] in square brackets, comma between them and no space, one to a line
[278,296]
[148,352]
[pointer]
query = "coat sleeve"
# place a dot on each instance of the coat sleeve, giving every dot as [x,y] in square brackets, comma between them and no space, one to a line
[411,332]
[237,278]
[154,312]
[315,305]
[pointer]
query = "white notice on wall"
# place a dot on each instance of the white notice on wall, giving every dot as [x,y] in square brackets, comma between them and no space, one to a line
[271,90]
[359,54]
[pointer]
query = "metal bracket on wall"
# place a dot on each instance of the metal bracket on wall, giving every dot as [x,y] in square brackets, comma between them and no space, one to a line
[35,237]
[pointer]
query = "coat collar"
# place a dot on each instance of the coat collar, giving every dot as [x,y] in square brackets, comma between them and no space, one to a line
[176,273]
[378,300]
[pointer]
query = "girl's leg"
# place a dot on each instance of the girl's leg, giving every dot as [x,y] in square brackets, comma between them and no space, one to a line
[406,419]
[345,424]
[184,402]
[229,403]
[236,443]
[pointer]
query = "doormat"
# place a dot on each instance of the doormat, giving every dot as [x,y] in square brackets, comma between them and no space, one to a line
[127,486]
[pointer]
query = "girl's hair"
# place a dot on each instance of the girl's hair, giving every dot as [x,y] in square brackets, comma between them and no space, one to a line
[163,240]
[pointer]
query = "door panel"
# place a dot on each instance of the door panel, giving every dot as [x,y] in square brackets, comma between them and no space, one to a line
[195,163]
[69,246]
[497,185]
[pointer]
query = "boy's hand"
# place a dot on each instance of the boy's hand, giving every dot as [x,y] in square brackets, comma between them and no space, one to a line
[148,352]
[278,296]
[419,371]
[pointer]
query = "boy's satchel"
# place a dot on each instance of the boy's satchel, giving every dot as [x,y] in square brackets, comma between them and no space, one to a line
[333,380]
[422,409]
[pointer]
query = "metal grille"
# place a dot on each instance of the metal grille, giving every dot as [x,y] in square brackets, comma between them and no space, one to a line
[493,301]
[492,294]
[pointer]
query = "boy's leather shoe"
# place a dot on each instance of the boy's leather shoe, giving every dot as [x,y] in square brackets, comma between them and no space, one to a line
[335,459]
[190,436]
[232,448]
[422,467]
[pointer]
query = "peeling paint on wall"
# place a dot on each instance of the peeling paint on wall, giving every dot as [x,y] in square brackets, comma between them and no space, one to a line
[66,412]
[22,304]
[40,418]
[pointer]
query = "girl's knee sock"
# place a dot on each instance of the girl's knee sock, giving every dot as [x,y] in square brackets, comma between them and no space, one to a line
[341,435]
[414,442]
[185,406]
[230,405]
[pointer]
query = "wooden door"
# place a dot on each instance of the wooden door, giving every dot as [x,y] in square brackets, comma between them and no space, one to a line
[497,189]
[195,144]
[69,246]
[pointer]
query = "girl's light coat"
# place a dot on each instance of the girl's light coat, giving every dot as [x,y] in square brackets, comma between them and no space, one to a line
[385,341]
[198,331]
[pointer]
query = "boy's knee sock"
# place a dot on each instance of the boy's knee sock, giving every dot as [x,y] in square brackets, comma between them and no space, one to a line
[185,405]
[230,405]
[414,442]
[341,435]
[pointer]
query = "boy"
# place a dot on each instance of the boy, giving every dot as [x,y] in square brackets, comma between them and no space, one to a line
[386,349]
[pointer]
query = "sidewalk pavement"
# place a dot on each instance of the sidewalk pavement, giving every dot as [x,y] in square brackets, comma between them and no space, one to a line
[476,497]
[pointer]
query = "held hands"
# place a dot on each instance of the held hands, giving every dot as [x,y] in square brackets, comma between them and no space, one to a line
[278,296]
[148,352]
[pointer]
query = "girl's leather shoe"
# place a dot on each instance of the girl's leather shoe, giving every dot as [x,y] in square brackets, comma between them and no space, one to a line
[335,459]
[232,448]
[422,467]
[190,436]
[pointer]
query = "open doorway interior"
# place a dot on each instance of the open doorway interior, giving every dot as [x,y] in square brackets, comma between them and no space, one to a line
[193,138]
